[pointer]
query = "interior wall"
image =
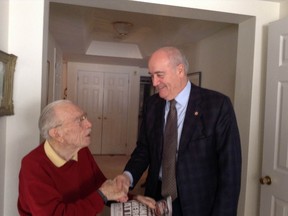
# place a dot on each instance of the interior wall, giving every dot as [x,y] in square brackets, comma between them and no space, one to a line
[249,195]
[284,9]
[3,122]
[64,79]
[2,160]
[22,133]
[55,72]
[216,58]
[190,50]
[48,86]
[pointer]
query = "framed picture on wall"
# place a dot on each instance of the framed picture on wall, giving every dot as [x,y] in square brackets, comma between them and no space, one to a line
[7,68]
[195,77]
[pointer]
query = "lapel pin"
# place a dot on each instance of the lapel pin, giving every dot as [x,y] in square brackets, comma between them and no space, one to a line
[196,113]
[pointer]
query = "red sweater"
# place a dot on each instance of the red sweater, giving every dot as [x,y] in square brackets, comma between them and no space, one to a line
[45,189]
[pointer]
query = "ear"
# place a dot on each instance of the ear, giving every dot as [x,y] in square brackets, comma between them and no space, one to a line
[180,69]
[53,132]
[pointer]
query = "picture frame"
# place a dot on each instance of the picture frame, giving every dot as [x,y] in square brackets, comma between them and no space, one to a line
[7,68]
[195,77]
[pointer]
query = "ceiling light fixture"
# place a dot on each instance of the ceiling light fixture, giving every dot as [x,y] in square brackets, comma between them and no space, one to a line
[122,28]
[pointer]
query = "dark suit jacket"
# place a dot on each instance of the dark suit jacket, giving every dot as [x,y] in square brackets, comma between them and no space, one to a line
[208,168]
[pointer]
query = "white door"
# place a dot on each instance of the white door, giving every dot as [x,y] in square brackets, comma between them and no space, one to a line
[90,98]
[274,188]
[104,96]
[115,110]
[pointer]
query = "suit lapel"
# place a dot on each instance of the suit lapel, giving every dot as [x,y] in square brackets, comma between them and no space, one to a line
[160,128]
[156,116]
[193,127]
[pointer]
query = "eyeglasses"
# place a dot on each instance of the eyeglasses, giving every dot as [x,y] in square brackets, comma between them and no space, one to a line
[79,120]
[82,118]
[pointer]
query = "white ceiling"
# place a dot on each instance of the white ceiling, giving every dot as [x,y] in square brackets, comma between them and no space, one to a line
[75,27]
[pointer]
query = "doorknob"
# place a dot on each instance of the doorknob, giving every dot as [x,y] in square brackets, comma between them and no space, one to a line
[265,180]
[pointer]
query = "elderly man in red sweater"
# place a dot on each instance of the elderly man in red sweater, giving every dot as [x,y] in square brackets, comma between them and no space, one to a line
[60,176]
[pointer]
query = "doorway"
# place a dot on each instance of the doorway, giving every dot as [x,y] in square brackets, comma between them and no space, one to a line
[146,90]
[244,68]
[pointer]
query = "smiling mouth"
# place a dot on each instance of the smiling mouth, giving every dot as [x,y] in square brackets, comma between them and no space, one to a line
[159,88]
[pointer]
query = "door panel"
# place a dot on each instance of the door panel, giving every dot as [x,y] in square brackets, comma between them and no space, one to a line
[115,113]
[104,96]
[90,98]
[274,196]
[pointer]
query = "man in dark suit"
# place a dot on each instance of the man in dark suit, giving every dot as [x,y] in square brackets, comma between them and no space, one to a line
[208,157]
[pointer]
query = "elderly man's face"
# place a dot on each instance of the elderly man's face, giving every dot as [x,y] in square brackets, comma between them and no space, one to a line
[76,128]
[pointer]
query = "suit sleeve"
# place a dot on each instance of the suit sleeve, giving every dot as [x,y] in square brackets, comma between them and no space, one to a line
[229,162]
[139,160]
[147,149]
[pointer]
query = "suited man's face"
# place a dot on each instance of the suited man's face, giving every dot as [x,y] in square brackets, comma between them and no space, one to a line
[168,79]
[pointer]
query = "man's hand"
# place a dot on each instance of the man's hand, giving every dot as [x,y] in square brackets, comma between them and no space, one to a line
[123,183]
[150,202]
[113,191]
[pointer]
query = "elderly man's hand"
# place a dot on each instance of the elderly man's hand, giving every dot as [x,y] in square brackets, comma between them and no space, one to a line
[113,191]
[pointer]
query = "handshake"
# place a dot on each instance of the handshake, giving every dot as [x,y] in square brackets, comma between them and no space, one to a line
[118,188]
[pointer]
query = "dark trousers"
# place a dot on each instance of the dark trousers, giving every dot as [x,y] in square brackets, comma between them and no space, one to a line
[176,206]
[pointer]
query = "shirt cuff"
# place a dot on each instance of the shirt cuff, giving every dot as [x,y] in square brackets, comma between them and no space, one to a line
[130,177]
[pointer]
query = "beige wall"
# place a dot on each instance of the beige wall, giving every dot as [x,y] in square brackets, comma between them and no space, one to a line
[3,47]
[20,130]
[284,9]
[216,58]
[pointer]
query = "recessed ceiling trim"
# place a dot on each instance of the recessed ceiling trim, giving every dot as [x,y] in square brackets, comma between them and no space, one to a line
[113,49]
